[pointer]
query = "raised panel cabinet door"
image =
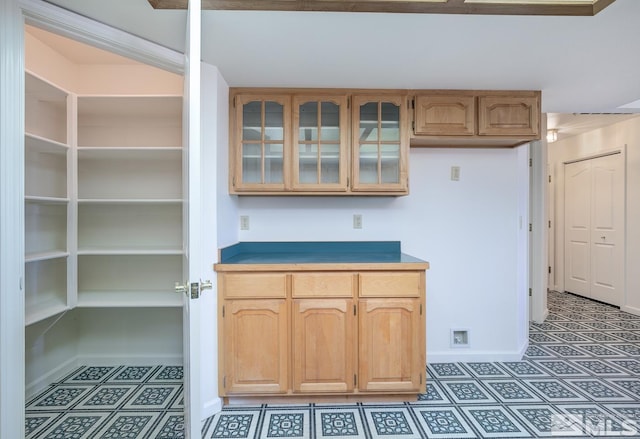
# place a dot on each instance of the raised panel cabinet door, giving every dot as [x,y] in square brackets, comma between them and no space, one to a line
[380,140]
[320,127]
[445,115]
[509,116]
[323,345]
[255,339]
[392,347]
[261,142]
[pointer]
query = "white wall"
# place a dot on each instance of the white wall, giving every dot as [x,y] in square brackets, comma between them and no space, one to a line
[468,230]
[218,213]
[589,144]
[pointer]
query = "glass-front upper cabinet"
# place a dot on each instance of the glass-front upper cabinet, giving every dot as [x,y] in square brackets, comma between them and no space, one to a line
[380,143]
[320,130]
[262,134]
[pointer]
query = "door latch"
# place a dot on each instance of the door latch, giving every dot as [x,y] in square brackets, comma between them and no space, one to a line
[193,289]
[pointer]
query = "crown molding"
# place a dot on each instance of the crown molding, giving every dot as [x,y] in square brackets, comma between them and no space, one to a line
[477,7]
[69,24]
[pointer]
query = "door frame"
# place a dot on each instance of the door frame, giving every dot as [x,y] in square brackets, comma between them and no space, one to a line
[16,13]
[12,353]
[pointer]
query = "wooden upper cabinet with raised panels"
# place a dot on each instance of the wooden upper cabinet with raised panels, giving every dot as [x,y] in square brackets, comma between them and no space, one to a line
[509,115]
[475,118]
[287,141]
[445,115]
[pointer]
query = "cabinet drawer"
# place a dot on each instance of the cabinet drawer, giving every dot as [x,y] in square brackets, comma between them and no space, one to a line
[391,284]
[322,284]
[238,285]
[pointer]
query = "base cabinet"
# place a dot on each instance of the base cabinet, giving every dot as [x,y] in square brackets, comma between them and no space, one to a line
[256,346]
[323,334]
[323,345]
[391,355]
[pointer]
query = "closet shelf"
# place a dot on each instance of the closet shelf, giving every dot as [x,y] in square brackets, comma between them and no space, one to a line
[36,143]
[45,200]
[130,201]
[126,252]
[43,256]
[43,310]
[129,299]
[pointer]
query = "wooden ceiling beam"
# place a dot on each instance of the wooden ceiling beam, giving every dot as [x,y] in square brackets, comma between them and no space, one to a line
[393,6]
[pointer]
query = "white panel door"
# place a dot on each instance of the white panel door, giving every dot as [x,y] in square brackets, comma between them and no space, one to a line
[577,222]
[191,176]
[607,260]
[594,228]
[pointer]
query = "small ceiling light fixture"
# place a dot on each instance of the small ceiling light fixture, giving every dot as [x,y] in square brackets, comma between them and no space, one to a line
[552,135]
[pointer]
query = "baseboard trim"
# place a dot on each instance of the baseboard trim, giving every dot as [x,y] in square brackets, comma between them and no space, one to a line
[478,356]
[52,376]
[129,360]
[545,314]
[212,407]
[630,309]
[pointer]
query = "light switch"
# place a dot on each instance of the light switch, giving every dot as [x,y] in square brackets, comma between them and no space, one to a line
[455,173]
[357,221]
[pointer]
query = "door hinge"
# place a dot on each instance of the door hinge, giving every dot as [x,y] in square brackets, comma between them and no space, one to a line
[413,104]
[349,102]
[354,310]
[530,227]
[222,311]
[421,309]
[530,163]
[549,179]
[549,269]
[224,382]
[549,223]
[413,125]
[530,292]
[234,101]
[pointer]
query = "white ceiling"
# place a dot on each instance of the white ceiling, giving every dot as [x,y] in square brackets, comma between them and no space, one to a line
[581,64]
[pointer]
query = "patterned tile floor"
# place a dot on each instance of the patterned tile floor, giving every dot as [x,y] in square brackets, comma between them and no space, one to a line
[580,377]
[110,402]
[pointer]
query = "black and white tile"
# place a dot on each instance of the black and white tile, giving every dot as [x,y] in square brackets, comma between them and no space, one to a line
[580,377]
[110,402]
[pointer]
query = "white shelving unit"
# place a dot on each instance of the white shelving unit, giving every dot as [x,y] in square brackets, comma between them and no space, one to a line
[47,204]
[129,200]
[103,212]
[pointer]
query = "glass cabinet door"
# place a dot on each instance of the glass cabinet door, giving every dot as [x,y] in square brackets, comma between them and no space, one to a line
[320,142]
[379,143]
[262,132]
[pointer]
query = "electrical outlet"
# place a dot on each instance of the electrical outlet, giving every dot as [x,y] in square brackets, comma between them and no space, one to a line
[455,173]
[244,222]
[357,221]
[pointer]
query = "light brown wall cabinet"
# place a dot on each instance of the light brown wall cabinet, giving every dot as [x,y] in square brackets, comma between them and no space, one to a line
[322,333]
[356,142]
[475,118]
[310,141]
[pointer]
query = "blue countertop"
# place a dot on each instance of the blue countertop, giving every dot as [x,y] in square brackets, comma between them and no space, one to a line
[315,253]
